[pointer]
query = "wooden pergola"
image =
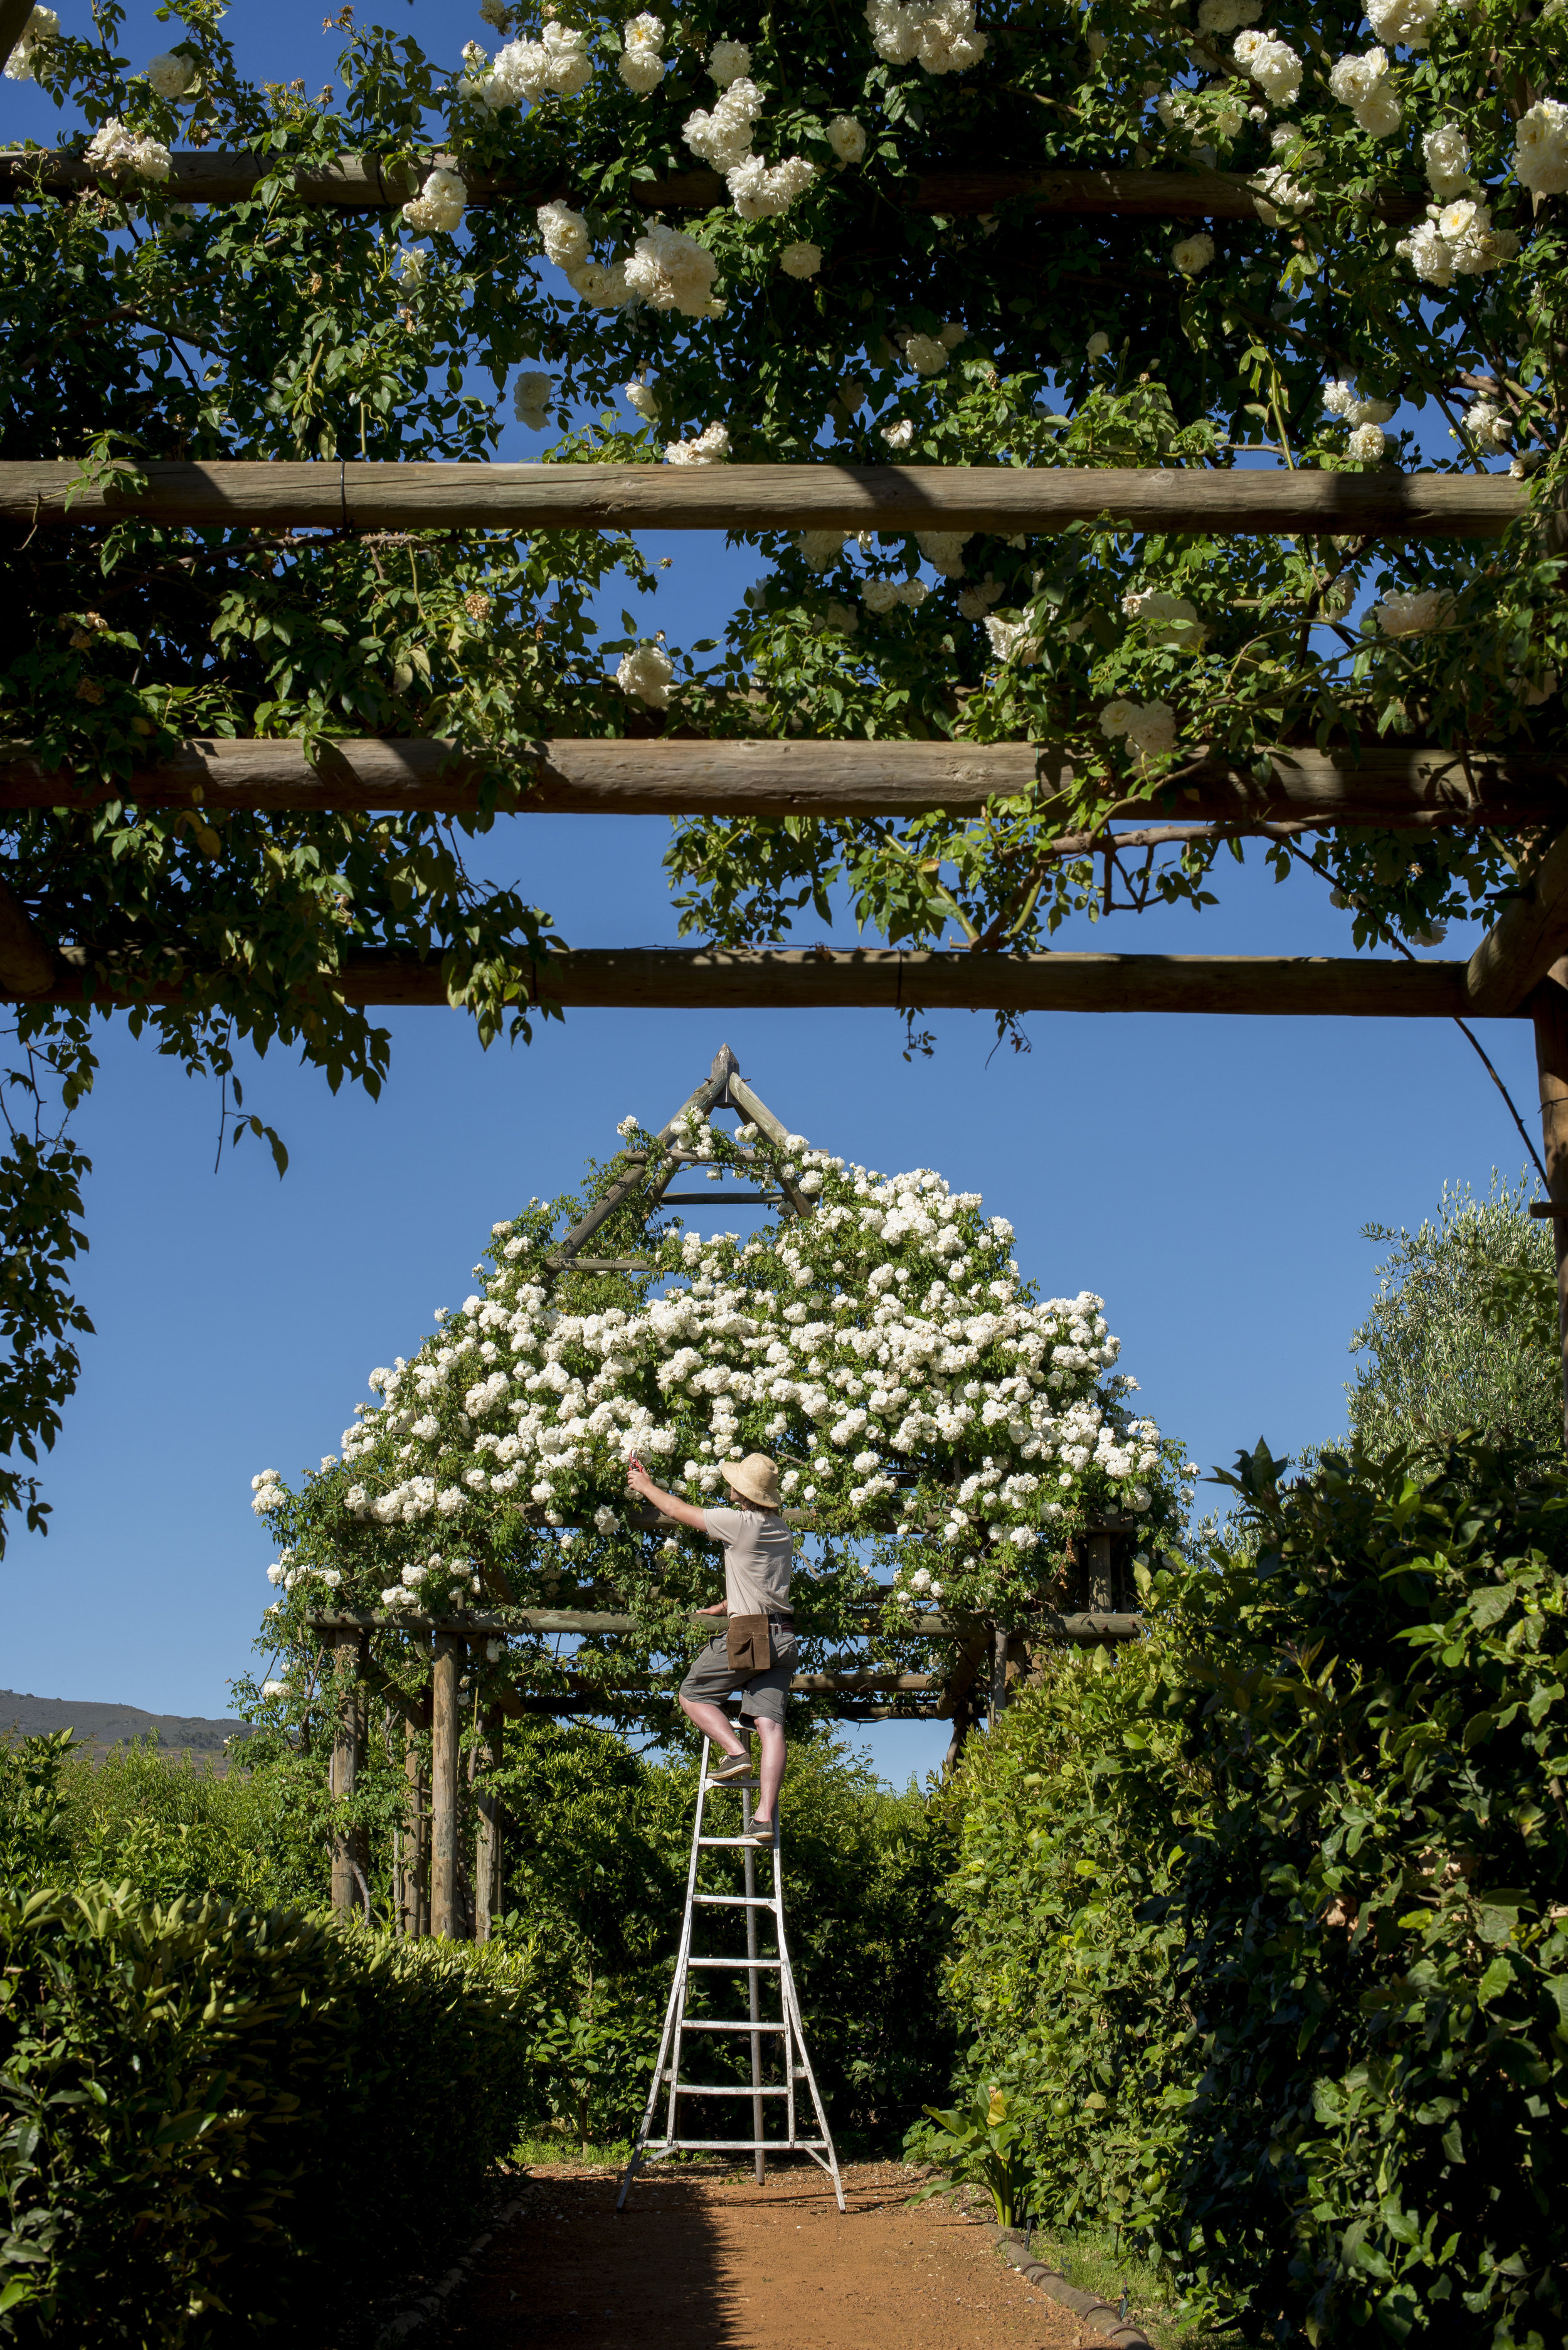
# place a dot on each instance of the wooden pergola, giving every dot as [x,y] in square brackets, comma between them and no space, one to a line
[986,1657]
[1520,970]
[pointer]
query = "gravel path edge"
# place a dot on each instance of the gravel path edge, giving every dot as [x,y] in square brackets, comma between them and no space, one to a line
[1105,2320]
[420,2310]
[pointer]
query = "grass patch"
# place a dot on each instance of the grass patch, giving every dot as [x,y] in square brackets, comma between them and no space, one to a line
[1098,2261]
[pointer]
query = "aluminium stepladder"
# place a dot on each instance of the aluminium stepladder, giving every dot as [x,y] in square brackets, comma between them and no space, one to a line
[785,2029]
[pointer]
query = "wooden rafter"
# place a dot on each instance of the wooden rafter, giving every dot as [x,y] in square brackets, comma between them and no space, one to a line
[14,19]
[333,494]
[1084,1628]
[674,776]
[363,183]
[813,979]
[1526,940]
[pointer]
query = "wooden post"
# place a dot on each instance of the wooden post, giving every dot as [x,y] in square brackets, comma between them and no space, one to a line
[414,1893]
[1099,1595]
[999,1640]
[351,1870]
[487,1839]
[1549,1009]
[443,1786]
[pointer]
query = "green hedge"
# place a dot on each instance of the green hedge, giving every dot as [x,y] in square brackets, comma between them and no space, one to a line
[216,2119]
[1262,1925]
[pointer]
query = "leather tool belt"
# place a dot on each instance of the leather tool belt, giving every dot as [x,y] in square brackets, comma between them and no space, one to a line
[748,1641]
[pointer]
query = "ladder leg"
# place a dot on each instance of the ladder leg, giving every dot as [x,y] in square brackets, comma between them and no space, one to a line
[797,2034]
[640,2140]
[754,2007]
[669,2057]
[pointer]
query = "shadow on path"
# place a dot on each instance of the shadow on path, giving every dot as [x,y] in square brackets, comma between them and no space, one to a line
[703,2259]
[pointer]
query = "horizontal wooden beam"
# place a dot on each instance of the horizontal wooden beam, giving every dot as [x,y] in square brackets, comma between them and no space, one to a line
[1525,940]
[479,1623]
[809,979]
[1006,499]
[764,780]
[363,183]
[482,1623]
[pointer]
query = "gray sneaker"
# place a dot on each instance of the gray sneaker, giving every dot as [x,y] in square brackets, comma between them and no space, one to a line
[732,1768]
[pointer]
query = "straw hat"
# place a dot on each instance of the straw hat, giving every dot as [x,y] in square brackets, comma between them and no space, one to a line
[755,1479]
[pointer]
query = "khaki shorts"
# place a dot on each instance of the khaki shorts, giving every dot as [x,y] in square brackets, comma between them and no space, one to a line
[712,1678]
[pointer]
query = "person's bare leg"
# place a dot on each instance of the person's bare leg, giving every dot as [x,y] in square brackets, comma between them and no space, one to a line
[771,1736]
[715,1723]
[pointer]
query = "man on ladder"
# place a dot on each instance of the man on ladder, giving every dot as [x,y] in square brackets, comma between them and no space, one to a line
[756,1654]
[756,1651]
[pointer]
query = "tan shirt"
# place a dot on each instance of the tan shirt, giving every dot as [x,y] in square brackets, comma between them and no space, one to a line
[759,1550]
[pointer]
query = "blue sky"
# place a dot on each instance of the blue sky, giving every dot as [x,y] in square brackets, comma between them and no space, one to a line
[1208,1177]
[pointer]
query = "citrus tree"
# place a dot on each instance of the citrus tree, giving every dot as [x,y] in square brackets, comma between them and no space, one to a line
[942,1430]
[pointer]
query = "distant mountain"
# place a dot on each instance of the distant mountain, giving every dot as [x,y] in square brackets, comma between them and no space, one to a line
[24,1716]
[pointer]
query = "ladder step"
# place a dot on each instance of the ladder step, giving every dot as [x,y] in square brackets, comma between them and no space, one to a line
[734,1962]
[712,2024]
[658,2146]
[737,1900]
[706,1841]
[740,2089]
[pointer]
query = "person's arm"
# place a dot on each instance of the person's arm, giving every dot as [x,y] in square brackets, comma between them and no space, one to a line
[669,1504]
[670,1507]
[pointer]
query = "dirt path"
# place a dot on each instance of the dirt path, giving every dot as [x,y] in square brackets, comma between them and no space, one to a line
[706,2262]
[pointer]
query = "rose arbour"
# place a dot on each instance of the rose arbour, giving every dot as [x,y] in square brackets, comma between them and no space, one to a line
[943,1429]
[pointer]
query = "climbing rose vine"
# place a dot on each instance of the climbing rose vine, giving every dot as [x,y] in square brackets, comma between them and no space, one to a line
[942,1428]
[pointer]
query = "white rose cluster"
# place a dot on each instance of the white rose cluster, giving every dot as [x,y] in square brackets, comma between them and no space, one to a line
[883,595]
[645,674]
[1346,400]
[1412,613]
[976,600]
[1490,427]
[641,66]
[525,71]
[846,137]
[1012,641]
[671,271]
[1457,240]
[759,190]
[881,1346]
[530,397]
[1446,155]
[1277,192]
[1406,23]
[940,34]
[710,447]
[1271,63]
[666,268]
[1149,727]
[1541,148]
[114,148]
[1170,623]
[437,210]
[170,76]
[41,28]
[1365,416]
[1192,254]
[943,550]
[1362,83]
